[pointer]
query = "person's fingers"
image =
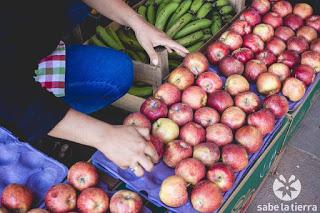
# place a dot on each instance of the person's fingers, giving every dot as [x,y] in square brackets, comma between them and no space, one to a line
[123,167]
[144,132]
[175,46]
[169,49]
[151,152]
[151,52]
[145,162]
[137,169]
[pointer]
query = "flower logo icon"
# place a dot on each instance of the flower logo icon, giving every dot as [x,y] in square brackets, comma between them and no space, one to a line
[287,190]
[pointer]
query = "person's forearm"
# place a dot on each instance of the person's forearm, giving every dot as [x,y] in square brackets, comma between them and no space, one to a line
[80,128]
[118,11]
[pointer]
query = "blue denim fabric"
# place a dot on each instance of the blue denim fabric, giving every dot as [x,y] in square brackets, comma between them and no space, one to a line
[96,77]
[77,12]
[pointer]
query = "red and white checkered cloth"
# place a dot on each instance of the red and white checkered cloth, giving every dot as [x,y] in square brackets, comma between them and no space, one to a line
[51,71]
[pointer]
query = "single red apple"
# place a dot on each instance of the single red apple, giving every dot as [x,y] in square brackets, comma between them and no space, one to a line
[153,109]
[158,145]
[175,152]
[241,27]
[165,129]
[262,6]
[251,16]
[206,197]
[264,31]
[235,156]
[195,97]
[173,191]
[307,32]
[181,77]
[303,10]
[304,73]
[250,138]
[16,198]
[229,66]
[82,175]
[284,33]
[277,104]
[276,46]
[267,57]
[263,119]
[217,51]
[247,101]
[281,70]
[192,133]
[289,58]
[283,8]
[315,45]
[220,100]
[61,198]
[93,200]
[180,113]
[137,119]
[243,54]
[294,89]
[231,39]
[125,201]
[268,83]
[206,116]
[233,117]
[254,42]
[209,81]
[168,94]
[191,170]
[273,19]
[236,84]
[293,21]
[298,44]
[196,62]
[222,175]
[207,153]
[312,59]
[253,69]
[219,134]
[314,21]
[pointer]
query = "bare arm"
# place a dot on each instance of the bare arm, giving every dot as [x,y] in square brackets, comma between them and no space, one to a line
[148,36]
[124,145]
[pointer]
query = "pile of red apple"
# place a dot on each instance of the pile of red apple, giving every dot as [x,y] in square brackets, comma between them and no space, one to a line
[64,197]
[205,128]
[273,44]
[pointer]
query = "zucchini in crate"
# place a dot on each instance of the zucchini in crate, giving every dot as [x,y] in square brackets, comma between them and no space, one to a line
[221,3]
[141,91]
[179,24]
[181,10]
[95,41]
[107,38]
[204,10]
[164,14]
[216,23]
[193,27]
[191,39]
[142,10]
[196,5]
[151,12]
[128,41]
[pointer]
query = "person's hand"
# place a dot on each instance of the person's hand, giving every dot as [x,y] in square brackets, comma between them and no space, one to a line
[127,147]
[150,37]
